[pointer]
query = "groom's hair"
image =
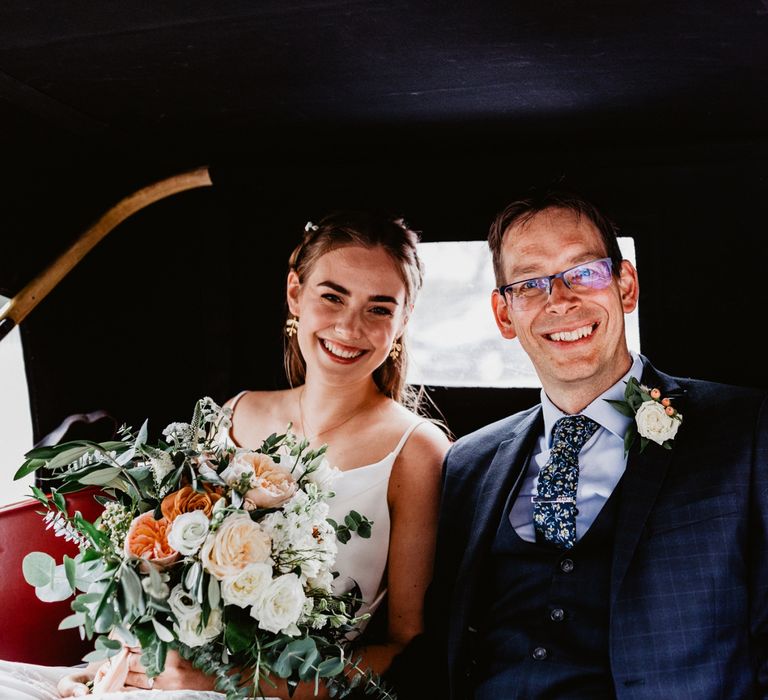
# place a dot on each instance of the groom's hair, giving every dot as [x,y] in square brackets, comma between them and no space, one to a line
[523,210]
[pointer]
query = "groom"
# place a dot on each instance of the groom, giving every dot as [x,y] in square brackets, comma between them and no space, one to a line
[565,567]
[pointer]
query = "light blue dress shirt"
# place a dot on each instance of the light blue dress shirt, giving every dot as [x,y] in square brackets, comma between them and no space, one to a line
[601,461]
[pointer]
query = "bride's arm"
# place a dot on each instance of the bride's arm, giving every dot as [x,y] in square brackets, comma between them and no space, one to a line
[414,495]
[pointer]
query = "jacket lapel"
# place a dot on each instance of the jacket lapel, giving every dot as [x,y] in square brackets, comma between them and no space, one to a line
[642,481]
[502,476]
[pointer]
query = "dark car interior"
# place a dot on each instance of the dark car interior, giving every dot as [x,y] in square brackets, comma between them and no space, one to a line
[441,112]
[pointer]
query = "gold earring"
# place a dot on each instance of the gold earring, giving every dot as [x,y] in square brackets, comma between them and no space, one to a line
[395,350]
[291,326]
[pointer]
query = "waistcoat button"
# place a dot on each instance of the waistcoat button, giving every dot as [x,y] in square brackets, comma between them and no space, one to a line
[557,615]
[566,566]
[540,653]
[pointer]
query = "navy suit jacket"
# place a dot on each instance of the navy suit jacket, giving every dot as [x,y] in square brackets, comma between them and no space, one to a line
[689,576]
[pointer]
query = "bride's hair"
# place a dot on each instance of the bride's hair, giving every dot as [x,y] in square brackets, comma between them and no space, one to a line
[369,230]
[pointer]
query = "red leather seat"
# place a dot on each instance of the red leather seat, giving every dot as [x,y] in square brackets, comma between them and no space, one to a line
[28,627]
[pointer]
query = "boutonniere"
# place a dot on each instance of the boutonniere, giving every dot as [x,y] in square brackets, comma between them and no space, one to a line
[655,418]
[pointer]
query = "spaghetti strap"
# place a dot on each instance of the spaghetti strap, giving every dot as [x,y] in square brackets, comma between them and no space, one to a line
[233,404]
[405,437]
[236,399]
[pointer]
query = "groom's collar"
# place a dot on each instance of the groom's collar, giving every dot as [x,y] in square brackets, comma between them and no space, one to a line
[598,410]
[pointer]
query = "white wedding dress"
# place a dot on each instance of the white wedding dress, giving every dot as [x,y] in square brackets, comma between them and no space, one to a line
[363,561]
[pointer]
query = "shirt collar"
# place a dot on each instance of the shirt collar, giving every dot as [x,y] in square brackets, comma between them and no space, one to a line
[599,410]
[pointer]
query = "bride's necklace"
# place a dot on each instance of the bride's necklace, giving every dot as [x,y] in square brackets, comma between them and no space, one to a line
[306,428]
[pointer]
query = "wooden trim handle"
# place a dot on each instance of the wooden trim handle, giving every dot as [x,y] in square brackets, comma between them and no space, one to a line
[28,298]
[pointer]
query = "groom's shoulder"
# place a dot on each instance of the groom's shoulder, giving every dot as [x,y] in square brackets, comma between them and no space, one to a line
[716,396]
[486,440]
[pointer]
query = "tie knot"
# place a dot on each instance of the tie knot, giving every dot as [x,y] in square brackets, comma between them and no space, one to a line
[573,431]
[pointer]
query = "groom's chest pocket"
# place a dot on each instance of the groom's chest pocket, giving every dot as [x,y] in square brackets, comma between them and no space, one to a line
[699,516]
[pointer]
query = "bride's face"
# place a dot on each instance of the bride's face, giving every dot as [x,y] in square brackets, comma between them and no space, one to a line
[351,308]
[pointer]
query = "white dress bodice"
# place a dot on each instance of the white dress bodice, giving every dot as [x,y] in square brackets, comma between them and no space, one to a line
[363,489]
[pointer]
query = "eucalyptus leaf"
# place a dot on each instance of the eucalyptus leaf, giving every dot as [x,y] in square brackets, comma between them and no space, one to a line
[38,568]
[58,589]
[107,643]
[330,667]
[72,621]
[214,592]
[70,571]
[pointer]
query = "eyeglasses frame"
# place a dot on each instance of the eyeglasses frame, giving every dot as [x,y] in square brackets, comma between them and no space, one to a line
[551,279]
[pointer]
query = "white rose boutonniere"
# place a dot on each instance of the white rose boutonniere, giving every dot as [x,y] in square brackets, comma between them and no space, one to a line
[656,420]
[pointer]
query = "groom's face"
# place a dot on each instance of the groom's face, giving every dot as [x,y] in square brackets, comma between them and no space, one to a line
[575,340]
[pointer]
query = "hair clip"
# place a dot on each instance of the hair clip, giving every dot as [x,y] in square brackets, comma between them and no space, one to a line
[309,226]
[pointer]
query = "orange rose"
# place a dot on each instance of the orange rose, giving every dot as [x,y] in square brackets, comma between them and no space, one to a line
[147,538]
[186,499]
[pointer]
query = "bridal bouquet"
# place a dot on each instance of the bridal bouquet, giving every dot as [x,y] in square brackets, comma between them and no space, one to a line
[222,553]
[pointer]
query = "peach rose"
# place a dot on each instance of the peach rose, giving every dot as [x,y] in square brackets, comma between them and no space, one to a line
[237,543]
[271,484]
[186,499]
[147,538]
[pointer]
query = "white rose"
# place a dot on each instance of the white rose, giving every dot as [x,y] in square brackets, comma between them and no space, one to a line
[245,588]
[188,633]
[324,475]
[654,423]
[323,581]
[188,532]
[280,605]
[182,604]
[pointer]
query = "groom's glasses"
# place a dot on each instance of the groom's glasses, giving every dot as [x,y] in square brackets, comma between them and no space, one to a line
[531,293]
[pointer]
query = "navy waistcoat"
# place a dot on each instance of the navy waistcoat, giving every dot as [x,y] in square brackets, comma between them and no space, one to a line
[544,633]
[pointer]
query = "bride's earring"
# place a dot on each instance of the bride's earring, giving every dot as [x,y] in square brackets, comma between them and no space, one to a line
[291,326]
[395,350]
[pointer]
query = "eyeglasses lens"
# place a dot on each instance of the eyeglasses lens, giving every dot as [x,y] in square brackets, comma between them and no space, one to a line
[532,293]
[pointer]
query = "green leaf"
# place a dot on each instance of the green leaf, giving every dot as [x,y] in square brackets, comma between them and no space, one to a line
[100,477]
[28,467]
[107,643]
[364,530]
[70,571]
[66,457]
[330,667]
[629,437]
[307,668]
[38,569]
[162,631]
[622,407]
[131,585]
[343,535]
[239,635]
[72,621]
[58,500]
[58,589]
[214,592]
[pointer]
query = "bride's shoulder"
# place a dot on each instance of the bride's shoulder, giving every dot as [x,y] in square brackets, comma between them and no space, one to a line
[260,402]
[256,414]
[426,443]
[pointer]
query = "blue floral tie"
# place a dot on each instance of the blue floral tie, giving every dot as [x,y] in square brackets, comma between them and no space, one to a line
[554,508]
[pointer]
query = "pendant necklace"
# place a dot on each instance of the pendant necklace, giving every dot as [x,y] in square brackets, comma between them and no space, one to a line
[304,424]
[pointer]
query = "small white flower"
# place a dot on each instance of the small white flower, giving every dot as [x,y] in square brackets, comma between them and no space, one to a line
[654,424]
[188,532]
[178,432]
[162,465]
[245,588]
[280,604]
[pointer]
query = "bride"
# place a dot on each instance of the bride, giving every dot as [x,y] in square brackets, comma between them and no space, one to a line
[351,286]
